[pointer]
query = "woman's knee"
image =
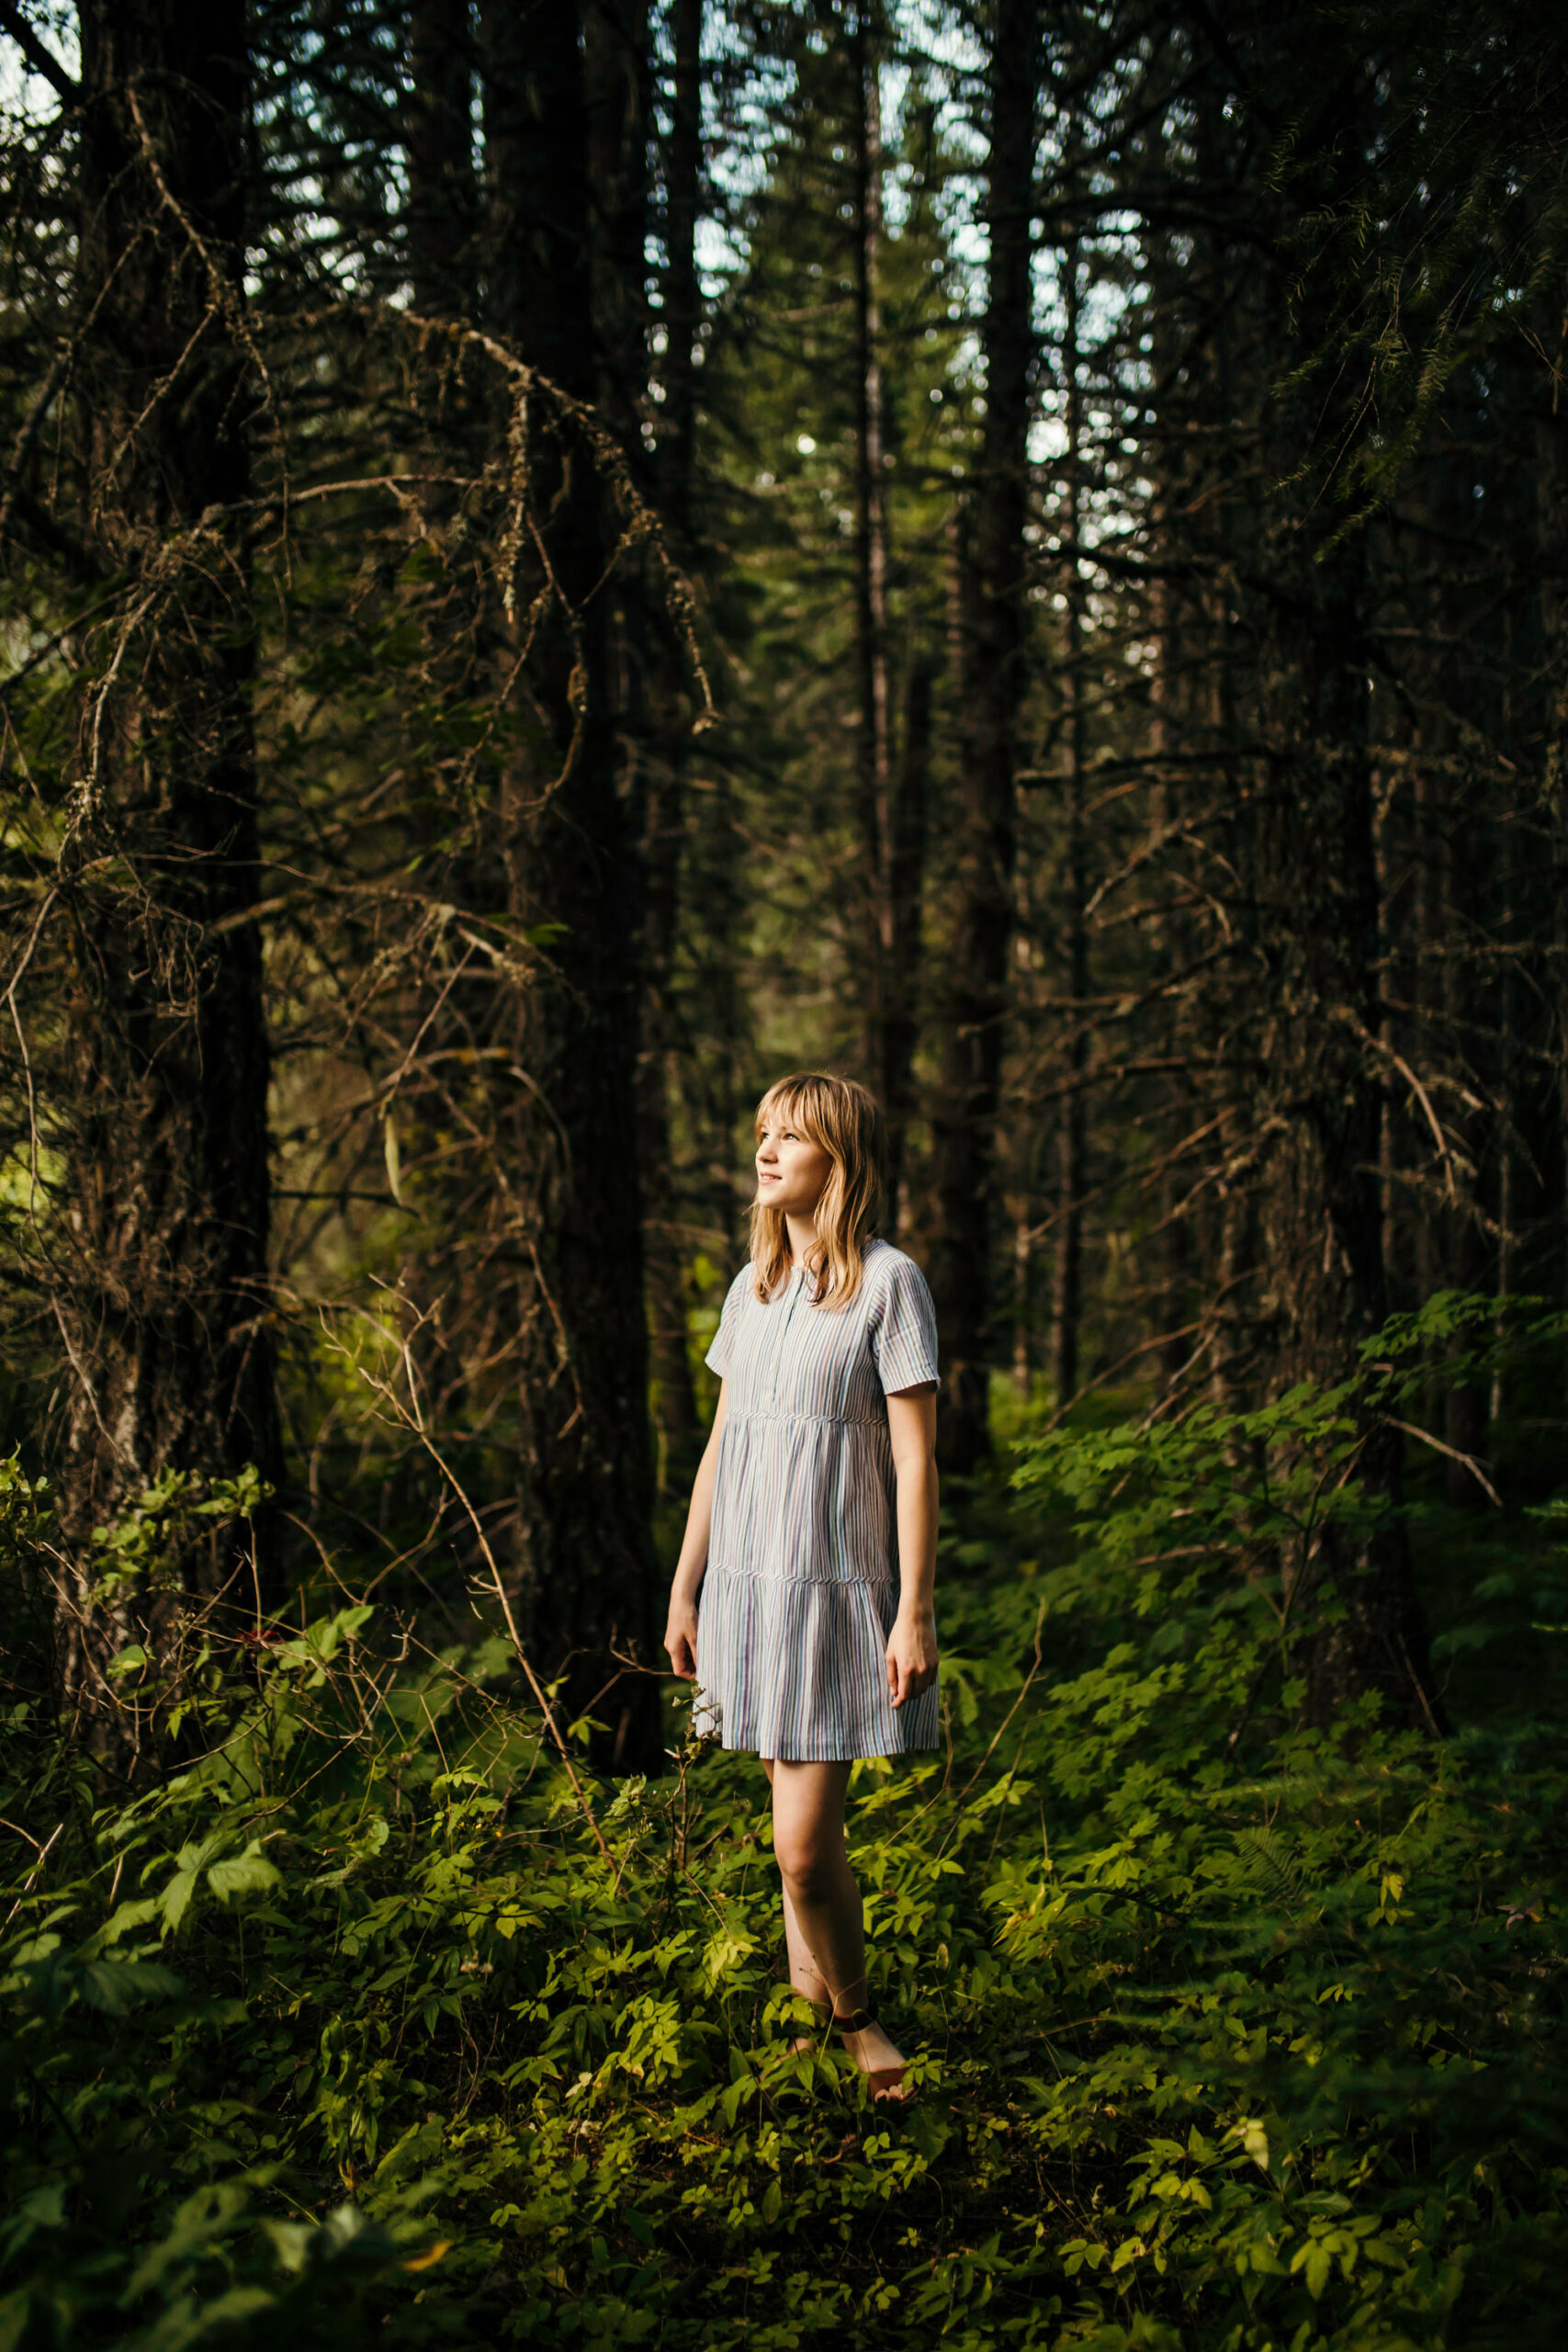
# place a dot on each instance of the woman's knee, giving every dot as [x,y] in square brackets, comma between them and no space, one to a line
[810,1858]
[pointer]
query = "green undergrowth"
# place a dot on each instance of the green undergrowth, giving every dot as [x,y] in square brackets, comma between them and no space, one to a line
[365,2025]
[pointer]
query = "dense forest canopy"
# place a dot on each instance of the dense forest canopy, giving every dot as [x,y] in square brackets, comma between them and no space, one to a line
[560,558]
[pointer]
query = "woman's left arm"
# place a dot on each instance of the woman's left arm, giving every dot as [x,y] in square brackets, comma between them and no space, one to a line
[911,1646]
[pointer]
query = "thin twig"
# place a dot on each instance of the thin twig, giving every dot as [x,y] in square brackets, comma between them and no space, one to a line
[43,1851]
[410,1421]
[1452,1454]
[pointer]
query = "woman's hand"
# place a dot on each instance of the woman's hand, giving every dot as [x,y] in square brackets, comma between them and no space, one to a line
[681,1637]
[911,1656]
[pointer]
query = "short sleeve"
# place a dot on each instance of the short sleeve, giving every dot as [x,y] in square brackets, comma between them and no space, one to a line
[719,1355]
[903,1328]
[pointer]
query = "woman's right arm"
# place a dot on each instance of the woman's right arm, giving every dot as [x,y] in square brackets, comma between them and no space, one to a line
[681,1634]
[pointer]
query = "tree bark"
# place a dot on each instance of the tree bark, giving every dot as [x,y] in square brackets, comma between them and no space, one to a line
[163,1293]
[911,817]
[615,70]
[874,747]
[1466,847]
[646,690]
[1552,539]
[440,145]
[1320,1108]
[583,1563]
[1322,1210]
[1074,1141]
[968,1095]
[664,798]
[450,1124]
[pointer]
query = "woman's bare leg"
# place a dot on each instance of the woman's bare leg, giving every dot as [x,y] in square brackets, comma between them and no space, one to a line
[824,1922]
[803,1973]
[806,1978]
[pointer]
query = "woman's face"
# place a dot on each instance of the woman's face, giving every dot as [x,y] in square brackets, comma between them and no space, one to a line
[791,1169]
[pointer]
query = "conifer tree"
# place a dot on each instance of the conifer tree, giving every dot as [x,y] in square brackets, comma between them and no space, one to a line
[968,1096]
[155,1266]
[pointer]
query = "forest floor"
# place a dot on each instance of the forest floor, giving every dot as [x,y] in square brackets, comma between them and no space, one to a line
[365,2026]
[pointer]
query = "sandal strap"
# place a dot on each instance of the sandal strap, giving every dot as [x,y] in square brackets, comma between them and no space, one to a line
[857,2022]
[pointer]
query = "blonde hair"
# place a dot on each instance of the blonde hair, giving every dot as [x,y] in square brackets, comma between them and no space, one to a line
[846,1122]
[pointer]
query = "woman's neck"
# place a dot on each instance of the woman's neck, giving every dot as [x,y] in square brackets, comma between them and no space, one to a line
[801,1232]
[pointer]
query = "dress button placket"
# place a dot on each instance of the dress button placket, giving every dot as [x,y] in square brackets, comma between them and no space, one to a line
[795,1280]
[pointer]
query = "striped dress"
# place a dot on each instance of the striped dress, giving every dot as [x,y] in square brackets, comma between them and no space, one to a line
[802,1581]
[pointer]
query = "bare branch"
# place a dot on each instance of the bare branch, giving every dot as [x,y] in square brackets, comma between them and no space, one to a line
[43,61]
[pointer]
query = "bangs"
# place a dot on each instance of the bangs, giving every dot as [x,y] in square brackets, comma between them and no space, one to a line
[792,1103]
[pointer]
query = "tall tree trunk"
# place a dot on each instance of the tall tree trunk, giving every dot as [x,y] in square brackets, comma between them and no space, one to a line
[454,1114]
[616,68]
[1551,538]
[968,1095]
[1170,717]
[440,145]
[1322,1213]
[1454,849]
[683,297]
[664,797]
[874,745]
[1320,1108]
[163,1291]
[1074,1156]
[911,810]
[583,1568]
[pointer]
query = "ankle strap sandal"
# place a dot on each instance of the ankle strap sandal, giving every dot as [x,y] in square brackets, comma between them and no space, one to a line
[856,2021]
[885,2083]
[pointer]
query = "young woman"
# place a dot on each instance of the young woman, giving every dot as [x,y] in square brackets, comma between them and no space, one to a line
[802,1601]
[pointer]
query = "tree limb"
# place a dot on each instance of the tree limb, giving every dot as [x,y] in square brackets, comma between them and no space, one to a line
[43,60]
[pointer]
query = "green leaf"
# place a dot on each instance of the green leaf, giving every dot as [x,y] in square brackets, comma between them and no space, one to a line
[203,2218]
[116,1986]
[175,1899]
[247,1873]
[15,2312]
[1316,2262]
[121,1922]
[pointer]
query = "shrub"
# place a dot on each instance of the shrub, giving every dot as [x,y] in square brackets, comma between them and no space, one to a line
[1227,2034]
